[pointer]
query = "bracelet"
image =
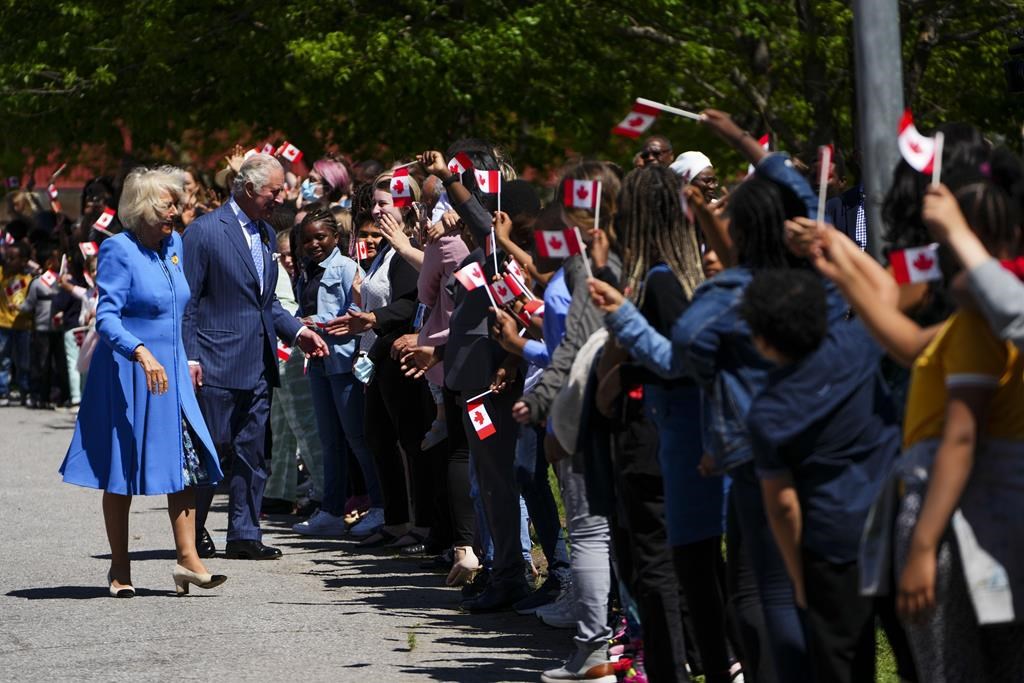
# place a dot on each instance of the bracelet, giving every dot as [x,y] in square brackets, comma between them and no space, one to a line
[450,180]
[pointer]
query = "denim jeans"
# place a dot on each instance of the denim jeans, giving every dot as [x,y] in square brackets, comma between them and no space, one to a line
[71,358]
[14,353]
[532,474]
[782,622]
[338,402]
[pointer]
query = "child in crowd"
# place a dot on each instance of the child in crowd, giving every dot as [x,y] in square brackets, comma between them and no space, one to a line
[49,369]
[15,325]
[824,434]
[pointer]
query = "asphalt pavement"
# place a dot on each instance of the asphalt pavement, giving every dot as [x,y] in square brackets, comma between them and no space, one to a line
[325,611]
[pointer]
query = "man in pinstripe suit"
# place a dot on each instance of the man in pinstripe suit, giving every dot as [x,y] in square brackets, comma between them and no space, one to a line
[230,329]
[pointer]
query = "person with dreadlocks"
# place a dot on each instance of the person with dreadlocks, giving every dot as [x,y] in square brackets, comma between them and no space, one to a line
[712,344]
[662,266]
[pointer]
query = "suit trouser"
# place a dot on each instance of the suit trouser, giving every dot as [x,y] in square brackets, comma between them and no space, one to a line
[493,462]
[237,420]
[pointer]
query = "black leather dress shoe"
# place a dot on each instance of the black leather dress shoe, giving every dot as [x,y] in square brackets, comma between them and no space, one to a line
[496,598]
[276,506]
[250,550]
[204,546]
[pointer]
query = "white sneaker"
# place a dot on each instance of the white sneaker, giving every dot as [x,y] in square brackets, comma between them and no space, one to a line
[366,526]
[591,666]
[321,524]
[562,612]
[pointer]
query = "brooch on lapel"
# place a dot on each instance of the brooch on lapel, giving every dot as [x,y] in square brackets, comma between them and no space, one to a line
[174,259]
[275,256]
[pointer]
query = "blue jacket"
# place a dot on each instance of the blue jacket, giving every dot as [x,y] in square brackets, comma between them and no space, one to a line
[334,298]
[230,326]
[127,440]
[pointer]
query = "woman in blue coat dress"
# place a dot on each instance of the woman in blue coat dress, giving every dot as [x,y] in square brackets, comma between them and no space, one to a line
[139,429]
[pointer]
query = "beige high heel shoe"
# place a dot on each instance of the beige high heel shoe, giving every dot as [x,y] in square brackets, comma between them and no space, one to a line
[125,591]
[465,562]
[183,577]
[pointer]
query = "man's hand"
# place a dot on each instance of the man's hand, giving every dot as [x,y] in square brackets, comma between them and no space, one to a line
[917,584]
[402,345]
[195,371]
[418,359]
[600,248]
[604,296]
[435,164]
[521,413]
[353,322]
[721,124]
[505,331]
[312,344]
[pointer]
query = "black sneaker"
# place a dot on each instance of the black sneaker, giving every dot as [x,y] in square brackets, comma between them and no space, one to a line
[479,583]
[545,595]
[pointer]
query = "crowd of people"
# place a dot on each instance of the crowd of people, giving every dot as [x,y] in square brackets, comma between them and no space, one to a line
[763,448]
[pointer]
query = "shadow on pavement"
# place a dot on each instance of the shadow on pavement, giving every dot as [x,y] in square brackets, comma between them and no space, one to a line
[79,593]
[140,555]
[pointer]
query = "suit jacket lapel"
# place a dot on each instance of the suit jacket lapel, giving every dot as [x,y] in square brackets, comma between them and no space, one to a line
[269,264]
[235,236]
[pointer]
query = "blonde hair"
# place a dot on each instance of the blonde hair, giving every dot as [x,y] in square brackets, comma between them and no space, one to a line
[140,203]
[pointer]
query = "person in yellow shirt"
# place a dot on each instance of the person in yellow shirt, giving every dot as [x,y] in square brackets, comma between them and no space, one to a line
[15,326]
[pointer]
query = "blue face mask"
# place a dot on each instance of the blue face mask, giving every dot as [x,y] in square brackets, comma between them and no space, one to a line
[308,190]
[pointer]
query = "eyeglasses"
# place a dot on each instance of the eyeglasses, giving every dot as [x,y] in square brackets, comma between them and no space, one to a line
[653,153]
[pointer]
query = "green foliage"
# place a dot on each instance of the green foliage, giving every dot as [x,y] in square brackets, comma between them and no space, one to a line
[545,78]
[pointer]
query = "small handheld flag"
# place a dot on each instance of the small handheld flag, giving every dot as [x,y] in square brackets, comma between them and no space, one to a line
[401,192]
[581,194]
[88,249]
[105,219]
[460,163]
[916,264]
[640,118]
[481,420]
[917,150]
[289,151]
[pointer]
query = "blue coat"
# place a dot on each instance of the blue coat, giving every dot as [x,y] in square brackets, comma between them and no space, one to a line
[230,326]
[127,440]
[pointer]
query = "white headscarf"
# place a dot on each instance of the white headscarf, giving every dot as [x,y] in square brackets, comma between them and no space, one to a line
[688,165]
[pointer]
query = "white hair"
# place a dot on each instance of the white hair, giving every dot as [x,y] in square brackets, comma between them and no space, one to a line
[140,203]
[256,170]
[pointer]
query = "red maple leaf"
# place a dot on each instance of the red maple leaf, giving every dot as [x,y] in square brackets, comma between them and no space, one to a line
[914,147]
[637,122]
[478,417]
[581,192]
[399,186]
[502,291]
[923,262]
[555,243]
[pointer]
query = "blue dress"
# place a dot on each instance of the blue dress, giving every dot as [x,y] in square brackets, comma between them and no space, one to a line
[127,440]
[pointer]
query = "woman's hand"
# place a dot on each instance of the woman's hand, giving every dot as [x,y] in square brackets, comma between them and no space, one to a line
[604,296]
[502,225]
[917,584]
[600,248]
[435,164]
[353,322]
[505,331]
[803,236]
[357,289]
[393,233]
[235,159]
[418,360]
[722,125]
[156,376]
[521,413]
[402,345]
[941,213]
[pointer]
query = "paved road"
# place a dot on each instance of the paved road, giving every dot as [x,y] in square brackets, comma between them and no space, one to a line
[323,612]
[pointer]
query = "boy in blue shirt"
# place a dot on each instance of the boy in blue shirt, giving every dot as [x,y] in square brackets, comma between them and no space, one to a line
[824,434]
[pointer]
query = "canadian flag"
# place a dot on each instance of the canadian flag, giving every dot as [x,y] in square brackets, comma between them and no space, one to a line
[918,150]
[581,194]
[460,164]
[401,192]
[489,182]
[267,148]
[558,243]
[49,278]
[8,238]
[14,288]
[362,253]
[766,143]
[513,267]
[105,219]
[481,420]
[51,190]
[917,264]
[640,118]
[283,352]
[503,294]
[530,309]
[289,152]
[513,284]
[88,249]
[13,182]
[471,277]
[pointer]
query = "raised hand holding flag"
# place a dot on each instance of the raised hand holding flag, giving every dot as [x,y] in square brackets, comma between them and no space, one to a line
[917,150]
[104,221]
[460,163]
[916,264]
[581,194]
[640,118]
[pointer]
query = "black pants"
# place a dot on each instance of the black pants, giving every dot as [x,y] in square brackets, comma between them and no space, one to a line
[49,368]
[644,558]
[698,567]
[840,622]
[494,463]
[463,517]
[399,411]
